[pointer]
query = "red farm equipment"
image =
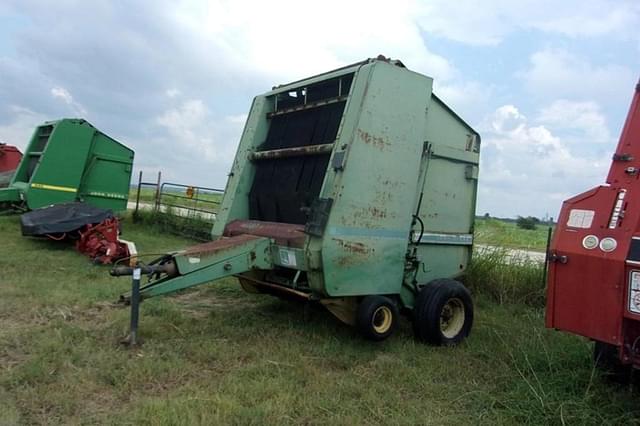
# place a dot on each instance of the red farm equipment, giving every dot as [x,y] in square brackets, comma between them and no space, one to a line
[593,287]
[10,157]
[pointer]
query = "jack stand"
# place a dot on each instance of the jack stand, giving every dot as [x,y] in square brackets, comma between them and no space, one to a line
[132,339]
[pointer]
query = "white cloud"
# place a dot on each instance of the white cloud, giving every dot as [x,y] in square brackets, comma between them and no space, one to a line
[507,119]
[19,131]
[283,40]
[63,94]
[527,169]
[194,129]
[556,73]
[490,21]
[585,117]
[172,93]
[467,98]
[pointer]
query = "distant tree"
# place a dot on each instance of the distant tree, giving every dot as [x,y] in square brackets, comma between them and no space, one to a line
[487,215]
[528,222]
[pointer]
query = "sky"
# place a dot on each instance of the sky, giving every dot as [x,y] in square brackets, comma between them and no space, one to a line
[546,83]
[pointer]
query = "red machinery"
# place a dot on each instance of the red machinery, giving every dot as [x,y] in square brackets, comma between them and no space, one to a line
[95,230]
[101,242]
[593,286]
[10,157]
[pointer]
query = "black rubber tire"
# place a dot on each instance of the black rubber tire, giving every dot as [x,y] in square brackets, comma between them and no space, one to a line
[607,360]
[370,311]
[429,307]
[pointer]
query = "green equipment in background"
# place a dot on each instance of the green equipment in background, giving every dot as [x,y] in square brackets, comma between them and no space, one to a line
[70,160]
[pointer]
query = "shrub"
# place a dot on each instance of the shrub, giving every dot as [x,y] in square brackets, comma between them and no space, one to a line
[528,222]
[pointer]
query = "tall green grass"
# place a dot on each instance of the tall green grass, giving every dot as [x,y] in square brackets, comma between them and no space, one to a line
[506,277]
[192,226]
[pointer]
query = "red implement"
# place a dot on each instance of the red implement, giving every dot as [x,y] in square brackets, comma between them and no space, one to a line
[101,242]
[593,287]
[10,157]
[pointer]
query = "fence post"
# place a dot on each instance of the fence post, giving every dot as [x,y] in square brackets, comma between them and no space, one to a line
[157,206]
[135,212]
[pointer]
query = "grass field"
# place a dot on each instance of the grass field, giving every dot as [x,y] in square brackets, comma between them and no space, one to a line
[217,355]
[500,233]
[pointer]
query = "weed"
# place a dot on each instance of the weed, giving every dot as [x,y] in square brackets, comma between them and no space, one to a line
[506,277]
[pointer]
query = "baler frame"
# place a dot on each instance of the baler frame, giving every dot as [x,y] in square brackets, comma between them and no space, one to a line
[355,188]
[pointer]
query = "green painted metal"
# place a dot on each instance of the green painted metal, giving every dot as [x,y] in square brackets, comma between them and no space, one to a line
[198,268]
[70,160]
[399,151]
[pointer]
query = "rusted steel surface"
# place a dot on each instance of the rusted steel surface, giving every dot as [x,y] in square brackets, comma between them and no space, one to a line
[278,288]
[309,105]
[298,151]
[285,234]
[224,243]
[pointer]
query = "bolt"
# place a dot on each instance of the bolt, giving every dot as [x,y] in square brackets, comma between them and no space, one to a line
[227,266]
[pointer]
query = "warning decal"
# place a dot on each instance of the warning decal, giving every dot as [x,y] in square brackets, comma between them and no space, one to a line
[634,292]
[580,218]
[287,258]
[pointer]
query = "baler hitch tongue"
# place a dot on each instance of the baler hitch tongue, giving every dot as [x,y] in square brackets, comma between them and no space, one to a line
[121,271]
[196,265]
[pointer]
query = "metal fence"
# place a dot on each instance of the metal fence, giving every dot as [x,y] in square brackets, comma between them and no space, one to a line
[186,210]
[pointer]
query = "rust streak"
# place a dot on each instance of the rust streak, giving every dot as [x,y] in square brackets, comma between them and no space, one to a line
[354,247]
[375,141]
[218,246]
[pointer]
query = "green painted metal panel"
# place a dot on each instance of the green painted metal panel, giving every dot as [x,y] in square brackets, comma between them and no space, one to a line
[9,195]
[56,176]
[107,175]
[70,160]
[205,266]
[364,246]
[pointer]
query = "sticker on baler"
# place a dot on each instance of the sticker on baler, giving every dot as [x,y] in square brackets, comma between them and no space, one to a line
[287,258]
[581,218]
[634,293]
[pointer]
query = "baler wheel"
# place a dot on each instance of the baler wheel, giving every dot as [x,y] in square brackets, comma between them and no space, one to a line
[377,317]
[443,313]
[606,359]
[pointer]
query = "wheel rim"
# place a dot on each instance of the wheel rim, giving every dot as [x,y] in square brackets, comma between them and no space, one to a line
[452,318]
[382,319]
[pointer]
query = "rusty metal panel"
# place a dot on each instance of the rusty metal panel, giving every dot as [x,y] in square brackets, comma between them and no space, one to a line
[285,234]
[366,237]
